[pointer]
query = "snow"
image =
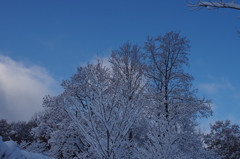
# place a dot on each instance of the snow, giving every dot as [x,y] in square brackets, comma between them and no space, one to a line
[9,150]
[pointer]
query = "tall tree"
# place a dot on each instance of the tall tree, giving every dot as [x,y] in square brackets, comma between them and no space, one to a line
[127,69]
[103,103]
[174,101]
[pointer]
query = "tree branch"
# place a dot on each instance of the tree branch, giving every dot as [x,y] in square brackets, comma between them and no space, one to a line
[213,5]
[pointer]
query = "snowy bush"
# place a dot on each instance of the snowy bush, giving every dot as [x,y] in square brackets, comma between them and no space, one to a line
[9,150]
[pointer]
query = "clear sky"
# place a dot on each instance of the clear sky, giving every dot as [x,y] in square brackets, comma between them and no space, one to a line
[43,42]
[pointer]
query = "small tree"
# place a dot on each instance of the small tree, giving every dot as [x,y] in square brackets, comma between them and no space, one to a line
[55,135]
[224,139]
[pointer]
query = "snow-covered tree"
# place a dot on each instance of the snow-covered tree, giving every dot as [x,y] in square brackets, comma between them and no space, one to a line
[20,131]
[94,116]
[224,139]
[42,132]
[87,100]
[214,4]
[175,106]
[55,134]
[127,69]
[141,105]
[104,103]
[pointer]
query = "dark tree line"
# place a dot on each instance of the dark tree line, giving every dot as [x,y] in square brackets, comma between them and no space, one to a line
[17,131]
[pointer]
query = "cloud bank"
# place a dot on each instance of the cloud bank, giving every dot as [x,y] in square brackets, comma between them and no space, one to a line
[22,89]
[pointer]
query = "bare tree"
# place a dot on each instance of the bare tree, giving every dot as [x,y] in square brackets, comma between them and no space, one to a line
[174,101]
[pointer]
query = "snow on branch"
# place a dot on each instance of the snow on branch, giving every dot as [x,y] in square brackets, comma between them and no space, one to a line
[214,5]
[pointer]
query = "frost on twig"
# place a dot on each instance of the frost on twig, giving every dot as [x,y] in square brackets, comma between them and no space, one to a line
[214,5]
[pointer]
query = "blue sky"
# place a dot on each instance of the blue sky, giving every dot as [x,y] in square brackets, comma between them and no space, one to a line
[43,42]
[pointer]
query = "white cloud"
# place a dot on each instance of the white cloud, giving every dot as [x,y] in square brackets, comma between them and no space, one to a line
[104,59]
[22,89]
[215,87]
